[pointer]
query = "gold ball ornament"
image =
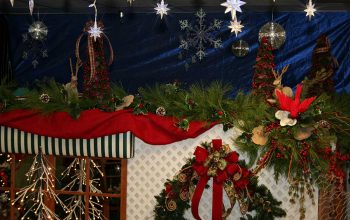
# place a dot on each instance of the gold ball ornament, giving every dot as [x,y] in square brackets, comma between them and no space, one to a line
[274,32]
[259,136]
[240,48]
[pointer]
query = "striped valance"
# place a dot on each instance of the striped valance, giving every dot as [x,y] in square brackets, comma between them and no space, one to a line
[113,146]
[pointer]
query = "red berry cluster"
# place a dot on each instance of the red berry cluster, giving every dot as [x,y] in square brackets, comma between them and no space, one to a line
[272,126]
[304,157]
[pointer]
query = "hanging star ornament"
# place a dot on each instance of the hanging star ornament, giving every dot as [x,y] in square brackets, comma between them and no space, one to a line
[162,9]
[95,31]
[310,9]
[233,6]
[236,26]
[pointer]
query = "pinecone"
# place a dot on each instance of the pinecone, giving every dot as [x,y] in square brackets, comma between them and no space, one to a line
[160,111]
[44,98]
[324,124]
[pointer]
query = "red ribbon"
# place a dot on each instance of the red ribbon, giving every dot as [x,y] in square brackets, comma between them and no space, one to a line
[201,155]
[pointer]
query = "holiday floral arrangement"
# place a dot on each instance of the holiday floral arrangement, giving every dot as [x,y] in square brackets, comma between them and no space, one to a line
[303,136]
[297,138]
[218,162]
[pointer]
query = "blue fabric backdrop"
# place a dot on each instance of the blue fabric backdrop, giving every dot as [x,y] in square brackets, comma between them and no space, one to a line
[147,50]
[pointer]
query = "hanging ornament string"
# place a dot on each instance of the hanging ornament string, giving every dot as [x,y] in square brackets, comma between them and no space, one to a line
[95,31]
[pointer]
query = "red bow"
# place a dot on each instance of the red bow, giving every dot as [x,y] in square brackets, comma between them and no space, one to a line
[201,156]
[294,106]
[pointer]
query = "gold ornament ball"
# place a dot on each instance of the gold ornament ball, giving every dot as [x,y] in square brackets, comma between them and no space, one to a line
[240,48]
[275,33]
[38,30]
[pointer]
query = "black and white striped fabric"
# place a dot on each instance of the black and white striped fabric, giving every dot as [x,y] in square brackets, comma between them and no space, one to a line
[113,146]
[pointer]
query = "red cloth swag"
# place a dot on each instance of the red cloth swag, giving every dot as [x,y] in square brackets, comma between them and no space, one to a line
[151,128]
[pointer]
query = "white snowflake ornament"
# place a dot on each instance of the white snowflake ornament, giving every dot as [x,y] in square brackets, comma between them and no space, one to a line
[236,26]
[162,9]
[198,36]
[95,31]
[310,9]
[233,6]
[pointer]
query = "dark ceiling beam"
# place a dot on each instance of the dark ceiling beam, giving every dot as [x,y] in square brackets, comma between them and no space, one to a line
[177,6]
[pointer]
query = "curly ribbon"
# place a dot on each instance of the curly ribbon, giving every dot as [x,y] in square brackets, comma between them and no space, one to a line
[201,167]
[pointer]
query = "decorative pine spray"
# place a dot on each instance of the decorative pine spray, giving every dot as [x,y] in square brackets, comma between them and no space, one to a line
[263,76]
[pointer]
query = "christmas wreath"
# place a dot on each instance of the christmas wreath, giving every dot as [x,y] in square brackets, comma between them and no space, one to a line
[217,161]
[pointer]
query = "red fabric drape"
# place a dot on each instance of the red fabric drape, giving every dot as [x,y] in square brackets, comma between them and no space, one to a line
[151,128]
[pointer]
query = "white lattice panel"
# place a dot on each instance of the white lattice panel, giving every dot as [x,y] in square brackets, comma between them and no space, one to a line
[152,165]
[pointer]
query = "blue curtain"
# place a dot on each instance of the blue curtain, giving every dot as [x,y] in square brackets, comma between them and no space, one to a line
[147,50]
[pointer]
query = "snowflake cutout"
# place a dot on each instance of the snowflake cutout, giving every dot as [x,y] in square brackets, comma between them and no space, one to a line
[199,36]
[95,31]
[34,49]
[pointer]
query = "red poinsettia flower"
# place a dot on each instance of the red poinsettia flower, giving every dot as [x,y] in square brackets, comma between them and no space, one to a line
[294,106]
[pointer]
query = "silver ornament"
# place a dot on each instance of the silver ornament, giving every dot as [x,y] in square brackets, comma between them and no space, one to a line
[275,33]
[38,30]
[240,48]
